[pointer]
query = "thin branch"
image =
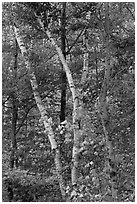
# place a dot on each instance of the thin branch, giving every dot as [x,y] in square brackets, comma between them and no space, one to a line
[51,57]
[5,100]
[21,76]
[24,119]
[115,77]
[6,106]
[96,15]
[130,12]
[125,29]
[75,40]
[67,43]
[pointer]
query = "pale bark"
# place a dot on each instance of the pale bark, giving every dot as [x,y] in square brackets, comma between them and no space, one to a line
[85,59]
[74,174]
[44,115]
[80,111]
[80,115]
[103,107]
[76,106]
[34,86]
[62,59]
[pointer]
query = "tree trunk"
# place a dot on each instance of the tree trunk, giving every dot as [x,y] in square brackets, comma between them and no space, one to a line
[74,174]
[63,96]
[85,59]
[63,73]
[44,115]
[76,108]
[63,79]
[96,66]
[79,115]
[104,105]
[13,157]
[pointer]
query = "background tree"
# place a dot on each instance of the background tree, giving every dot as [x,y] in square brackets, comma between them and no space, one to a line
[97,173]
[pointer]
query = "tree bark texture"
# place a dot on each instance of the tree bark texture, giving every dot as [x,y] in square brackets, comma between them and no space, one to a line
[103,101]
[74,174]
[76,108]
[63,73]
[63,80]
[85,59]
[13,157]
[44,115]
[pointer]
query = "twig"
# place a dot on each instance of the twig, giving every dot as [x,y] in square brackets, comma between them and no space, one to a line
[75,40]
[130,12]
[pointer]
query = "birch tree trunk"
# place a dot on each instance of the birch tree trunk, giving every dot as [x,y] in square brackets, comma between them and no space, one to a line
[76,107]
[74,174]
[103,101]
[85,59]
[44,115]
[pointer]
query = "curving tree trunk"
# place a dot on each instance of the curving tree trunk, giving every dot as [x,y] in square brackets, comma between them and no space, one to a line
[76,106]
[44,115]
[74,174]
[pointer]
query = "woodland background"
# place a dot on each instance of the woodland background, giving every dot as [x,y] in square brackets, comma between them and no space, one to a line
[68,101]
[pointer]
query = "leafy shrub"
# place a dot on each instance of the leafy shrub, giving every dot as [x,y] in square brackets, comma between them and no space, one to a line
[27,187]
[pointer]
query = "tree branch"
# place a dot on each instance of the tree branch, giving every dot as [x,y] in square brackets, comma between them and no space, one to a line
[75,41]
[130,12]
[24,119]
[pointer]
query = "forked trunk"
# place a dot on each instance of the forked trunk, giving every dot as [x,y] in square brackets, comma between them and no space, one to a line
[74,174]
[76,108]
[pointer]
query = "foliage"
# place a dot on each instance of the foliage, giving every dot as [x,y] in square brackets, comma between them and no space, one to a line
[29,187]
[35,179]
